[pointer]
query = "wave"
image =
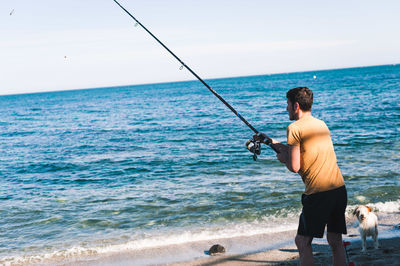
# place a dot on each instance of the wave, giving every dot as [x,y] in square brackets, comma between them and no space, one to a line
[176,236]
[386,207]
[267,225]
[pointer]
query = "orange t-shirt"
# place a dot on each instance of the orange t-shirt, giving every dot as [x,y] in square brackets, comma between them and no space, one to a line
[318,165]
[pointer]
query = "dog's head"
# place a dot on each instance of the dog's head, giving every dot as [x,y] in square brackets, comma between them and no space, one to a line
[362,212]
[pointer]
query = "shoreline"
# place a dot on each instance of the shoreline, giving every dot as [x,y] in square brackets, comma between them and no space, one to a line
[264,249]
[269,248]
[287,254]
[282,253]
[387,254]
[182,254]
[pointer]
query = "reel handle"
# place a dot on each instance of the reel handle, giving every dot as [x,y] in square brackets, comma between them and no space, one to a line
[266,140]
[254,144]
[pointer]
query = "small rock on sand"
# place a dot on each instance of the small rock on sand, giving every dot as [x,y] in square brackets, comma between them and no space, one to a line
[216,249]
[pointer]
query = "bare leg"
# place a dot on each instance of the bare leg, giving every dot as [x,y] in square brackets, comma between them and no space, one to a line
[303,244]
[338,252]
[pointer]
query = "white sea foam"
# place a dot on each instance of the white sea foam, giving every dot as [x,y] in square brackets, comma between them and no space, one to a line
[386,207]
[381,207]
[268,225]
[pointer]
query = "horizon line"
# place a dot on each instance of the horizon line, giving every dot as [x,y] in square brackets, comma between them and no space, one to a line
[191,80]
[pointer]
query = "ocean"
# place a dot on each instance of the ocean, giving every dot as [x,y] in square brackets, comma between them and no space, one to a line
[98,171]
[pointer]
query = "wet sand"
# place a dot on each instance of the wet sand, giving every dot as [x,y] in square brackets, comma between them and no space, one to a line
[264,249]
[387,254]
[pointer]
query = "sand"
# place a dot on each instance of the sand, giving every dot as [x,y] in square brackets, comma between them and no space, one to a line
[387,254]
[287,254]
[264,249]
[283,253]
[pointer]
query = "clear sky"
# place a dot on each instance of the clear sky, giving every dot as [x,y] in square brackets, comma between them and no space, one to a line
[48,45]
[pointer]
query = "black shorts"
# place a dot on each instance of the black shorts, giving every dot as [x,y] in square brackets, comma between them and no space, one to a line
[321,209]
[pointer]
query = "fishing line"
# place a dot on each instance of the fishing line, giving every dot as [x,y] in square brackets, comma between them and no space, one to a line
[256,147]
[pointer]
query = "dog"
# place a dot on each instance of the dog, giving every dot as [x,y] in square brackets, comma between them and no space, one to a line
[368,225]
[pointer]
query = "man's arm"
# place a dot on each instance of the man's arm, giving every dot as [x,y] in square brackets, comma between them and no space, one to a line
[290,156]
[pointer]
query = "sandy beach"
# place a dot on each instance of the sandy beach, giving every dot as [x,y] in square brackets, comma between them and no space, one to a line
[387,254]
[285,254]
[263,249]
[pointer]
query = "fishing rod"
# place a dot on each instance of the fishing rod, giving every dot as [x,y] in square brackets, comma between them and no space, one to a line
[253,145]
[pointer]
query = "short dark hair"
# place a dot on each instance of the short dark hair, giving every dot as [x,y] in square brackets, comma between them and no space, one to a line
[303,96]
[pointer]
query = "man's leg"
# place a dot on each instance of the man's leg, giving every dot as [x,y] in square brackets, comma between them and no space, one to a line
[338,252]
[303,244]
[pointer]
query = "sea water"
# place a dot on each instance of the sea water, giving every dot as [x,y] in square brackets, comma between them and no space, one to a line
[106,170]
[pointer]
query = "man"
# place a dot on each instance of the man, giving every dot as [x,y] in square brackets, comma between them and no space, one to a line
[309,152]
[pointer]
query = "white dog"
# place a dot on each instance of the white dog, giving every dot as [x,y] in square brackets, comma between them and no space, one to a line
[368,225]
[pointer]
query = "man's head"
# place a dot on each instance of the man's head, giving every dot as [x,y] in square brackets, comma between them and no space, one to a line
[299,99]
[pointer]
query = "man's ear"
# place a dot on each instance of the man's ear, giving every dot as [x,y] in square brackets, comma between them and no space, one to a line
[296,107]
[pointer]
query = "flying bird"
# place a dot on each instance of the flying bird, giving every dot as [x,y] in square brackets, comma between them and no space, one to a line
[12,11]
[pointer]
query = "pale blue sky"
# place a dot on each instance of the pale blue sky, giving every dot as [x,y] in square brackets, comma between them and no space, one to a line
[215,38]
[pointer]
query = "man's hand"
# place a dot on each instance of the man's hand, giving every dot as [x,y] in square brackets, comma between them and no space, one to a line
[263,138]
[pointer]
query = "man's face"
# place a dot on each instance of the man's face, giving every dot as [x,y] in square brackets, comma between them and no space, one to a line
[291,110]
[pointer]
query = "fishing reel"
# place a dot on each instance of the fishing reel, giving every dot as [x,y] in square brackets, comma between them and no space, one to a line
[254,146]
